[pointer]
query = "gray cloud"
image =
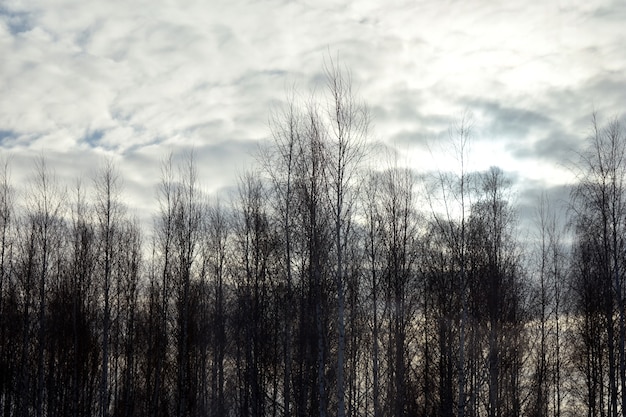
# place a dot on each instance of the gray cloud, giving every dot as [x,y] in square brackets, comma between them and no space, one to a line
[508,122]
[556,203]
[558,147]
[16,21]
[6,136]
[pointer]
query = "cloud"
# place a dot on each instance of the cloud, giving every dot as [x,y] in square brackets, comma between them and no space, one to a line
[558,148]
[556,200]
[137,79]
[502,122]
[16,21]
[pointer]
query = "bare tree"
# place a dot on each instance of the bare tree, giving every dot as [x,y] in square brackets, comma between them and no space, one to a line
[450,213]
[280,166]
[399,229]
[8,301]
[599,202]
[255,246]
[82,270]
[6,220]
[40,252]
[373,220]
[546,390]
[188,215]
[218,230]
[500,293]
[108,214]
[168,199]
[348,130]
[312,187]
[129,276]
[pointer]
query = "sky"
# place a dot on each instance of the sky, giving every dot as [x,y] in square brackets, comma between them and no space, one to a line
[133,80]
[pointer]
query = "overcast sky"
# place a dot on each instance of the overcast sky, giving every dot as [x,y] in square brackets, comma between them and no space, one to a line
[134,80]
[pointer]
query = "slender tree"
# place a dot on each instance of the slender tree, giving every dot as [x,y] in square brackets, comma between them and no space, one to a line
[373,220]
[187,223]
[44,217]
[218,236]
[599,202]
[280,167]
[255,247]
[399,230]
[450,213]
[349,123]
[7,293]
[108,214]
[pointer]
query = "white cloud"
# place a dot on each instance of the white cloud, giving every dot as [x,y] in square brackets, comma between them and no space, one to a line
[141,78]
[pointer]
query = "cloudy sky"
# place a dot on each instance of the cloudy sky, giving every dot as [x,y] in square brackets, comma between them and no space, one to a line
[135,80]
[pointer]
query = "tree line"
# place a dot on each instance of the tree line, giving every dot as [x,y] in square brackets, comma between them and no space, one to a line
[323,288]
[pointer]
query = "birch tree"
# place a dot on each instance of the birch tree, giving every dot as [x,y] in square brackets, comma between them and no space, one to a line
[348,130]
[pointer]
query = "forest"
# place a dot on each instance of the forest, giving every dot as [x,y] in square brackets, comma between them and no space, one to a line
[327,286]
